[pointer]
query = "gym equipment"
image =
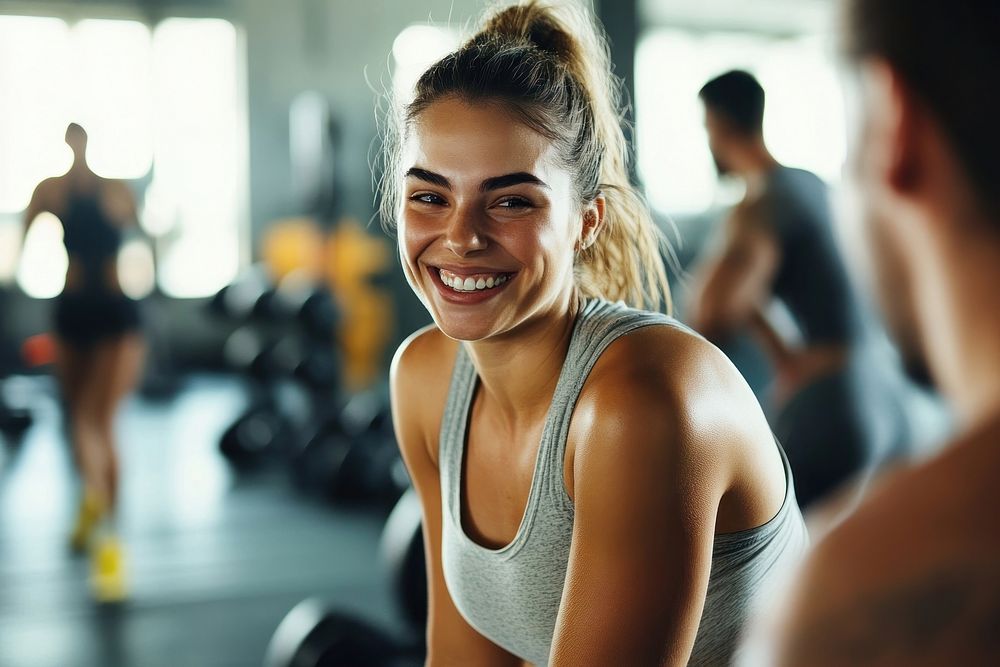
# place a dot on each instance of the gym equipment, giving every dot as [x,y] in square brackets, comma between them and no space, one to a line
[245,297]
[36,351]
[318,367]
[355,262]
[293,246]
[313,635]
[304,303]
[256,436]
[39,350]
[14,422]
[353,457]
[401,552]
[274,356]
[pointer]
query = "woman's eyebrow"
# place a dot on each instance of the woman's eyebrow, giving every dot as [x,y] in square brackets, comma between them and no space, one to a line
[429,177]
[507,180]
[492,183]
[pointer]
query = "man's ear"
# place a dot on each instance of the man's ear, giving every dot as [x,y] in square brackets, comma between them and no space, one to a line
[593,221]
[896,120]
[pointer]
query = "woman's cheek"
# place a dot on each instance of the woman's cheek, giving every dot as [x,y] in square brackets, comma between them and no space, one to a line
[412,240]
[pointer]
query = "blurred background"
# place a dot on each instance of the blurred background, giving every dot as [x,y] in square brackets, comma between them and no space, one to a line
[258,461]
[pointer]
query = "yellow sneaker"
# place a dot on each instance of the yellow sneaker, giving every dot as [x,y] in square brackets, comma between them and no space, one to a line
[107,570]
[89,515]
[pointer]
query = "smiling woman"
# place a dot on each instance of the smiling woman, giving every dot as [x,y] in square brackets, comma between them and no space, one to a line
[598,483]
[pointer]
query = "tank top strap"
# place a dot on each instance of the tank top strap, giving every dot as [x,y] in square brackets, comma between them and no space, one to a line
[453,426]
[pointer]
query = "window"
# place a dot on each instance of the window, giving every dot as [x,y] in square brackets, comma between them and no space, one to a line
[415,49]
[197,196]
[34,53]
[162,107]
[42,270]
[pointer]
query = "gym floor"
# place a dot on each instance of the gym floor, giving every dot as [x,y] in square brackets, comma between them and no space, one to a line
[215,560]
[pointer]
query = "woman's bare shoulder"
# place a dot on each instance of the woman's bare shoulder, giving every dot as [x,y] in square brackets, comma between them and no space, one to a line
[673,363]
[419,378]
[49,188]
[667,387]
[422,352]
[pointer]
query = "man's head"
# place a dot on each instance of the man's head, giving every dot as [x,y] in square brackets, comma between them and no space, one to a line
[926,159]
[734,116]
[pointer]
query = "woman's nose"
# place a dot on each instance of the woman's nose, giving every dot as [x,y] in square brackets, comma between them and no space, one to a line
[464,234]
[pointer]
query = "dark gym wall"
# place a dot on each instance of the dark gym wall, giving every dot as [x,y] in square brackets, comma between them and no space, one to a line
[621,21]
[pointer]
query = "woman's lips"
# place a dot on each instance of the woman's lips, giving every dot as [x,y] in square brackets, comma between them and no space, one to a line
[469,285]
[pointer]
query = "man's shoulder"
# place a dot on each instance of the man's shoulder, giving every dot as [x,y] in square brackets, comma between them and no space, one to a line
[912,576]
[929,510]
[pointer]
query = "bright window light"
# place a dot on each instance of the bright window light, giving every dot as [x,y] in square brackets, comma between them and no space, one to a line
[34,111]
[42,271]
[172,98]
[112,88]
[415,49]
[10,247]
[97,74]
[199,260]
[803,120]
[135,268]
[197,181]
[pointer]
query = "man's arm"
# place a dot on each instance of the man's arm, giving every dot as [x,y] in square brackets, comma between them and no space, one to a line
[737,284]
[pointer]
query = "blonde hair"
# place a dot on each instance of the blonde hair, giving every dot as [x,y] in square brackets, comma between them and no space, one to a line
[548,62]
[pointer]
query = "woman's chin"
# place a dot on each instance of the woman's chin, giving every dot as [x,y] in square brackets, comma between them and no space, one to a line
[463,333]
[466,329]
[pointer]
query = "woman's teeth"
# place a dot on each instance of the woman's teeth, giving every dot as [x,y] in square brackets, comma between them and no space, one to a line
[470,284]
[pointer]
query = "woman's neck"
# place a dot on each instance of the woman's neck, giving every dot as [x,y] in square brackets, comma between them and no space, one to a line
[518,372]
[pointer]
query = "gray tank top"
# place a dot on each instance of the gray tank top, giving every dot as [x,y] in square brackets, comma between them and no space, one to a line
[511,595]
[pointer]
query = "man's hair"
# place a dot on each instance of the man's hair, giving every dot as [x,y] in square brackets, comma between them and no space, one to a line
[948,54]
[737,97]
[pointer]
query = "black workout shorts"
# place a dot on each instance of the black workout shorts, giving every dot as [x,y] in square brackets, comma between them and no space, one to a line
[86,317]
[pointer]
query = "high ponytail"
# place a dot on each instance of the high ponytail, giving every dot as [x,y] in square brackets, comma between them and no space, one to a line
[549,63]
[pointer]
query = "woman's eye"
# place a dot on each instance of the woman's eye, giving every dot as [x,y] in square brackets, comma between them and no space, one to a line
[514,203]
[426,198]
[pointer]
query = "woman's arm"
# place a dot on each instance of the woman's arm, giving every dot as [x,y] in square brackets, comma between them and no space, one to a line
[651,463]
[419,386]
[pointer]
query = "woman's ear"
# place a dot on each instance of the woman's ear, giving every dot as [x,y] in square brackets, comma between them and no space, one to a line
[593,222]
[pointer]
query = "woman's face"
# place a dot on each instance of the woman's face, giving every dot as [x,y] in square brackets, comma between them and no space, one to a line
[488,221]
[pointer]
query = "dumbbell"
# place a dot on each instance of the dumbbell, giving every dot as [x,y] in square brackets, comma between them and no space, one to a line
[364,468]
[401,553]
[14,421]
[264,359]
[256,436]
[318,367]
[247,296]
[313,635]
[300,299]
[36,351]
[353,457]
